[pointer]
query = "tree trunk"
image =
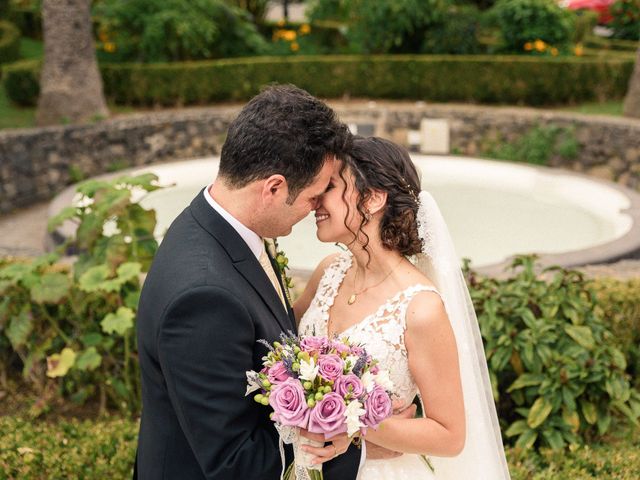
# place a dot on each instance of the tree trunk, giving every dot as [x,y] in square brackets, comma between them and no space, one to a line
[632,100]
[70,82]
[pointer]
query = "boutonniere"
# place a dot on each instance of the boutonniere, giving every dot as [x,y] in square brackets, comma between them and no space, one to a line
[283,265]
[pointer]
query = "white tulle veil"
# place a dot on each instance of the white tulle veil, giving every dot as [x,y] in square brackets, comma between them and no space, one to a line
[483,455]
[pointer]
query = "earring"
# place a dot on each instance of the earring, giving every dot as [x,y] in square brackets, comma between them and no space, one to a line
[367,216]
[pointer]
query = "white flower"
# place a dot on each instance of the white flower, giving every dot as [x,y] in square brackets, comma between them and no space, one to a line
[382,379]
[353,413]
[351,361]
[253,382]
[308,369]
[368,381]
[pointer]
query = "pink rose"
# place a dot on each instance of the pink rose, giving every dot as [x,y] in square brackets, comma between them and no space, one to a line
[277,373]
[378,407]
[349,384]
[313,345]
[289,404]
[328,416]
[340,347]
[374,369]
[330,366]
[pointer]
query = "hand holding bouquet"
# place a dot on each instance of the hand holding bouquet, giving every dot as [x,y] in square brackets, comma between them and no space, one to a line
[325,386]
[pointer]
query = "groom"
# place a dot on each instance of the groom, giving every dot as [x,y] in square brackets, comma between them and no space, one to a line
[213,292]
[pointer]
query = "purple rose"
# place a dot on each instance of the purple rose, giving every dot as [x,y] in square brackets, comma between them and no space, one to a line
[378,407]
[340,347]
[328,416]
[313,345]
[289,404]
[330,366]
[349,384]
[277,373]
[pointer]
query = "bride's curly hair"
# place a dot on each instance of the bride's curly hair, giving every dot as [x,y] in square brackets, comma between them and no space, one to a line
[379,164]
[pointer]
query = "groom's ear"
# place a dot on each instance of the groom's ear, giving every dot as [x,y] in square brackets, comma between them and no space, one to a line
[274,188]
[377,201]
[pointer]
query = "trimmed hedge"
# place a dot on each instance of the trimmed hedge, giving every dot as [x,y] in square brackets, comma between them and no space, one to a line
[73,449]
[9,42]
[440,78]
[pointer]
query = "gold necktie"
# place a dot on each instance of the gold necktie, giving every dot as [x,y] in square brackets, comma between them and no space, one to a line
[265,263]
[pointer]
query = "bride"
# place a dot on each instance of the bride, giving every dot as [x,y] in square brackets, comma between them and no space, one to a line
[398,291]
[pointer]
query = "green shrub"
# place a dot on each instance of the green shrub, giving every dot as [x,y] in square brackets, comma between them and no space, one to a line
[67,449]
[537,146]
[306,39]
[456,34]
[610,44]
[76,324]
[27,15]
[585,22]
[626,19]
[392,26]
[480,79]
[620,304]
[558,375]
[22,82]
[174,30]
[525,21]
[9,42]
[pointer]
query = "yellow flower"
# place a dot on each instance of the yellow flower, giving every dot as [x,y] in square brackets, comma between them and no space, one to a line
[578,50]
[295,47]
[109,47]
[528,46]
[103,36]
[289,35]
[305,29]
[540,45]
[554,51]
[281,23]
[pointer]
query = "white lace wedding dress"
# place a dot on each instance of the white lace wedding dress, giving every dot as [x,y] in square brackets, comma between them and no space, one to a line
[382,334]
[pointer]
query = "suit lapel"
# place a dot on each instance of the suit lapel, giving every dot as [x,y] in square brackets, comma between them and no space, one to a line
[290,313]
[241,256]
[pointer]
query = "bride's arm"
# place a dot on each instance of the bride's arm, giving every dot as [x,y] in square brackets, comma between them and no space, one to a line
[433,361]
[302,303]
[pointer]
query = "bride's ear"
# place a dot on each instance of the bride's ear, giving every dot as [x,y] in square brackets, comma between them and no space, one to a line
[376,201]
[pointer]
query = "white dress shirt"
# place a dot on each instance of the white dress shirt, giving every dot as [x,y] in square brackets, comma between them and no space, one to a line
[251,238]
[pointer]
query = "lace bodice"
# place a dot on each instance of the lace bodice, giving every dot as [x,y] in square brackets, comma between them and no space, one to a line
[381,333]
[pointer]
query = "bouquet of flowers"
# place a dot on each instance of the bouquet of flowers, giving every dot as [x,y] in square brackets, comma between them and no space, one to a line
[322,385]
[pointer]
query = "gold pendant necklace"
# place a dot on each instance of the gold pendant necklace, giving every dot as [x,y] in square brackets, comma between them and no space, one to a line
[354,296]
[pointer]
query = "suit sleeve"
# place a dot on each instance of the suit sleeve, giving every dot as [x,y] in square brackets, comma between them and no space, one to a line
[205,346]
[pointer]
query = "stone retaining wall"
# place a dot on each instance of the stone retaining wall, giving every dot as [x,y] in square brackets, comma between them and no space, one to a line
[35,164]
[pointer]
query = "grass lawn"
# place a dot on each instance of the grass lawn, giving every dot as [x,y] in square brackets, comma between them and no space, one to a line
[12,116]
[105,448]
[596,108]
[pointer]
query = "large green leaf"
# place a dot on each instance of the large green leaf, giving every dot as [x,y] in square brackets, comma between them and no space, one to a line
[15,271]
[59,364]
[89,359]
[118,322]
[67,213]
[527,439]
[20,327]
[94,278]
[147,181]
[52,288]
[527,380]
[589,411]
[571,418]
[516,428]
[128,271]
[554,438]
[91,339]
[539,412]
[581,334]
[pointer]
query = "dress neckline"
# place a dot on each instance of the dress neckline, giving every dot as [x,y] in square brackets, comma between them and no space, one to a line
[384,306]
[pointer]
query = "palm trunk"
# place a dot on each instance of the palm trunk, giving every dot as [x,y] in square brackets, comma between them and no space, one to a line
[70,83]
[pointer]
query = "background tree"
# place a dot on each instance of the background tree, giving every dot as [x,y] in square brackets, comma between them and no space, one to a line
[632,100]
[70,83]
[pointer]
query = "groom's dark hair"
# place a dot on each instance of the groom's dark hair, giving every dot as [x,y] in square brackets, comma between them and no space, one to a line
[283,130]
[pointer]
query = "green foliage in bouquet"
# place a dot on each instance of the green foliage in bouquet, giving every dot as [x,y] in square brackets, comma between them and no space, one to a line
[174,30]
[75,322]
[558,375]
[525,21]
